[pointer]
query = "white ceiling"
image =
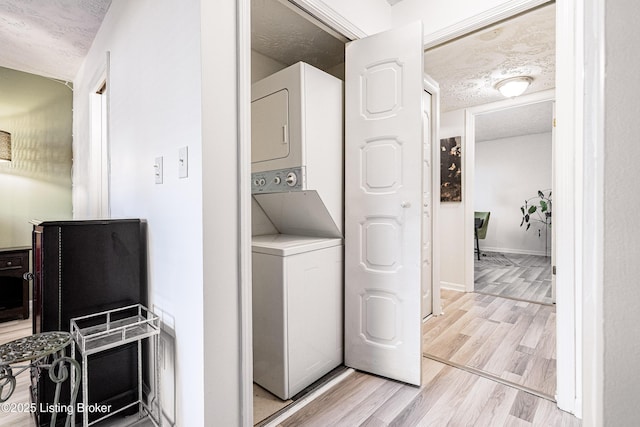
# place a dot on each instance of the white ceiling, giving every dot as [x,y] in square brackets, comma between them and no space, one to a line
[515,121]
[281,33]
[48,37]
[468,68]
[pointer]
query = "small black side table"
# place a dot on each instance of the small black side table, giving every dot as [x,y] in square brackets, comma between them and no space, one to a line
[42,351]
[14,287]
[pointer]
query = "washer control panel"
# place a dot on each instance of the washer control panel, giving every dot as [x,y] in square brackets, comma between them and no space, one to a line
[277,181]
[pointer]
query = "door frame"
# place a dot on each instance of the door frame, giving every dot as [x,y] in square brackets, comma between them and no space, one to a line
[468,159]
[562,247]
[570,98]
[432,87]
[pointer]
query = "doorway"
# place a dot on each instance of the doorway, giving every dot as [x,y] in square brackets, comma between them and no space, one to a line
[517,345]
[482,59]
[513,173]
[415,206]
[569,358]
[297,100]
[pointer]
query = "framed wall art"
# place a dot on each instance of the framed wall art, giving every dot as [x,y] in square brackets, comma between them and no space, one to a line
[451,169]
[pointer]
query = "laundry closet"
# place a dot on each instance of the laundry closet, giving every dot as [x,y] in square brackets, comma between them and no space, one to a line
[297,185]
[342,235]
[296,179]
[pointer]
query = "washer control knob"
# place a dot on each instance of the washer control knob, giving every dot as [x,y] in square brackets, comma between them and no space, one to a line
[277,180]
[292,179]
[262,181]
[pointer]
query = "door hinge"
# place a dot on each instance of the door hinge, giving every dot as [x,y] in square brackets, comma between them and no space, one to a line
[553,270]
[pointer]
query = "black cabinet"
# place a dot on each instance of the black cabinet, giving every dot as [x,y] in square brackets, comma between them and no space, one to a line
[81,268]
[14,289]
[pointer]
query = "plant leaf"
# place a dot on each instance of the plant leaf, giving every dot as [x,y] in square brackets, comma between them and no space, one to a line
[522,222]
[540,194]
[526,218]
[528,225]
[543,205]
[522,209]
[532,209]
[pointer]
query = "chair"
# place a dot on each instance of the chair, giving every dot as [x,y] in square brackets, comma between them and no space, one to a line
[480,228]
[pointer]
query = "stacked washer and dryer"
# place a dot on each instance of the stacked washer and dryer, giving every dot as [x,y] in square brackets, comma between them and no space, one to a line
[297,181]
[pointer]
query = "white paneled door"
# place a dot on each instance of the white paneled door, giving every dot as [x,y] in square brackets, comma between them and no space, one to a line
[384,203]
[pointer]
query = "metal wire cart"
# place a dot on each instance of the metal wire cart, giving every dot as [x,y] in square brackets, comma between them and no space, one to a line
[109,329]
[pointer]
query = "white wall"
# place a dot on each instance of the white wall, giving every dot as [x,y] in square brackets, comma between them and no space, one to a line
[508,171]
[155,108]
[452,214]
[621,206]
[36,184]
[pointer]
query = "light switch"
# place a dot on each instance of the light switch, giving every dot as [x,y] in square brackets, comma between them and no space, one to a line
[183,162]
[157,166]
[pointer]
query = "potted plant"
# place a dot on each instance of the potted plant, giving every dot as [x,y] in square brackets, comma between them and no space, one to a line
[537,209]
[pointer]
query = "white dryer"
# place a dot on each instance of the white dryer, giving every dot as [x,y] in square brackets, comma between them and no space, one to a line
[297,311]
[297,145]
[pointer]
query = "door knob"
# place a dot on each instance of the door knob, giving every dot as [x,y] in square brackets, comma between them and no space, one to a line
[405,204]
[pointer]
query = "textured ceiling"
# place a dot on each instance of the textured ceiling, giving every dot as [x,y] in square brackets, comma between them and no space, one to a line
[516,121]
[280,33]
[468,68]
[48,37]
[52,37]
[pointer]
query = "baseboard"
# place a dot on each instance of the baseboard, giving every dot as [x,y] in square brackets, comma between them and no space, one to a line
[512,251]
[453,286]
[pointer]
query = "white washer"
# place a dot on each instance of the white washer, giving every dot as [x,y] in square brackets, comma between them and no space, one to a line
[297,310]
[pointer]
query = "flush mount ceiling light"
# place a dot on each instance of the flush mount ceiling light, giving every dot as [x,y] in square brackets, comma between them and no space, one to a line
[5,146]
[515,86]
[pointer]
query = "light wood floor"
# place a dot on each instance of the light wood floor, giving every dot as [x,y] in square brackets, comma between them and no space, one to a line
[526,277]
[515,340]
[512,340]
[448,397]
[266,404]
